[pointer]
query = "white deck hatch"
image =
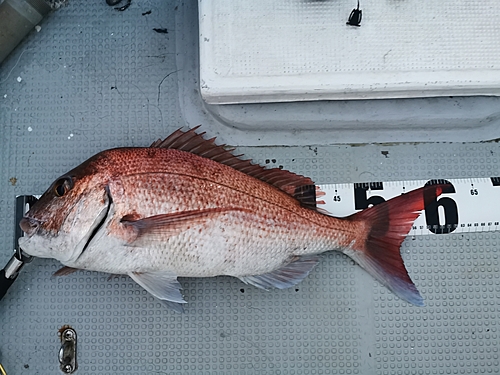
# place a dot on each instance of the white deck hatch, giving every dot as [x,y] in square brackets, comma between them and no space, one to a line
[295,50]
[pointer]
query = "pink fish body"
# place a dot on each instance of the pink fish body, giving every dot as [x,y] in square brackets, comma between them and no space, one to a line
[186,207]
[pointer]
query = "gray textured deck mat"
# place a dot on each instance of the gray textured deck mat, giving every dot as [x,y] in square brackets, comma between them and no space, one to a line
[95,78]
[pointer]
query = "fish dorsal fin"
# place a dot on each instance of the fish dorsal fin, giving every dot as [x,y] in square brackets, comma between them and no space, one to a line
[193,142]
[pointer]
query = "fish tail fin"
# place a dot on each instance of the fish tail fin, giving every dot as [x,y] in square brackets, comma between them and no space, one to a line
[387,225]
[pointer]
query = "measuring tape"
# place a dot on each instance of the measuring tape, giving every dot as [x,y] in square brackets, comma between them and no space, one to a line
[467,206]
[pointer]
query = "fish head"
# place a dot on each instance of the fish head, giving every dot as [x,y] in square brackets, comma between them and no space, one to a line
[60,224]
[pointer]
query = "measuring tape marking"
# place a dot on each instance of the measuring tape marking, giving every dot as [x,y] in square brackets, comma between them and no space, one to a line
[468,205]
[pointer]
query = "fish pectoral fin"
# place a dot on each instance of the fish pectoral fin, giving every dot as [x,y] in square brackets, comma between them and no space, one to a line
[170,224]
[161,284]
[284,277]
[65,271]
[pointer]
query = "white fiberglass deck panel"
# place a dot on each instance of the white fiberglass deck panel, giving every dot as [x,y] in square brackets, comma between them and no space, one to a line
[275,51]
[94,78]
[443,119]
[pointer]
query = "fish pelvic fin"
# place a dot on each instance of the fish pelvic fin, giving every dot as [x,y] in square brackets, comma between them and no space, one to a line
[163,285]
[64,271]
[387,225]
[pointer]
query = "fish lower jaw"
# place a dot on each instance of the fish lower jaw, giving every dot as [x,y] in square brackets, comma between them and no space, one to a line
[28,246]
[23,244]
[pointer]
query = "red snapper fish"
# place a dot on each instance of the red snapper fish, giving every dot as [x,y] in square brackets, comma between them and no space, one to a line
[187,207]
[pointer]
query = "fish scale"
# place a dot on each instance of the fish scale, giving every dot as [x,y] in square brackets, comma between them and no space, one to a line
[266,226]
[188,207]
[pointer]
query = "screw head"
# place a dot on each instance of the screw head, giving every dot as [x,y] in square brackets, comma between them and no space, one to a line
[68,369]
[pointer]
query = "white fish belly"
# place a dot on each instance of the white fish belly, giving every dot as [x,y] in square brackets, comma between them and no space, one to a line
[234,244]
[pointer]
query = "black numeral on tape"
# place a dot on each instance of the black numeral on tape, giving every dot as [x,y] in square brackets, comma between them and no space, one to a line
[361,201]
[449,206]
[495,181]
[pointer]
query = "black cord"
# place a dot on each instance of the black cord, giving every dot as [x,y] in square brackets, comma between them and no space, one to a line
[5,283]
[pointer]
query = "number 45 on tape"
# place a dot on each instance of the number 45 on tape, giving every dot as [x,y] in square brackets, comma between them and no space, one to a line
[467,205]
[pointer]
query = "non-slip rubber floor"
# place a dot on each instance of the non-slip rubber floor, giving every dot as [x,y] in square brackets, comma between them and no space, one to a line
[95,78]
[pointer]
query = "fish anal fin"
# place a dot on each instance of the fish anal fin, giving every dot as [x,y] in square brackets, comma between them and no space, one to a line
[286,276]
[168,224]
[388,224]
[65,271]
[193,142]
[161,284]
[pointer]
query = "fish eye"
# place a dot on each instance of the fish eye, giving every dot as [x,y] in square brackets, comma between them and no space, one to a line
[62,186]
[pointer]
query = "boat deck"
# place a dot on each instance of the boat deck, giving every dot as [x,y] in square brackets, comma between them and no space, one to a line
[94,78]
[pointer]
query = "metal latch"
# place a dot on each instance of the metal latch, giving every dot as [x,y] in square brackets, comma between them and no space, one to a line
[67,353]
